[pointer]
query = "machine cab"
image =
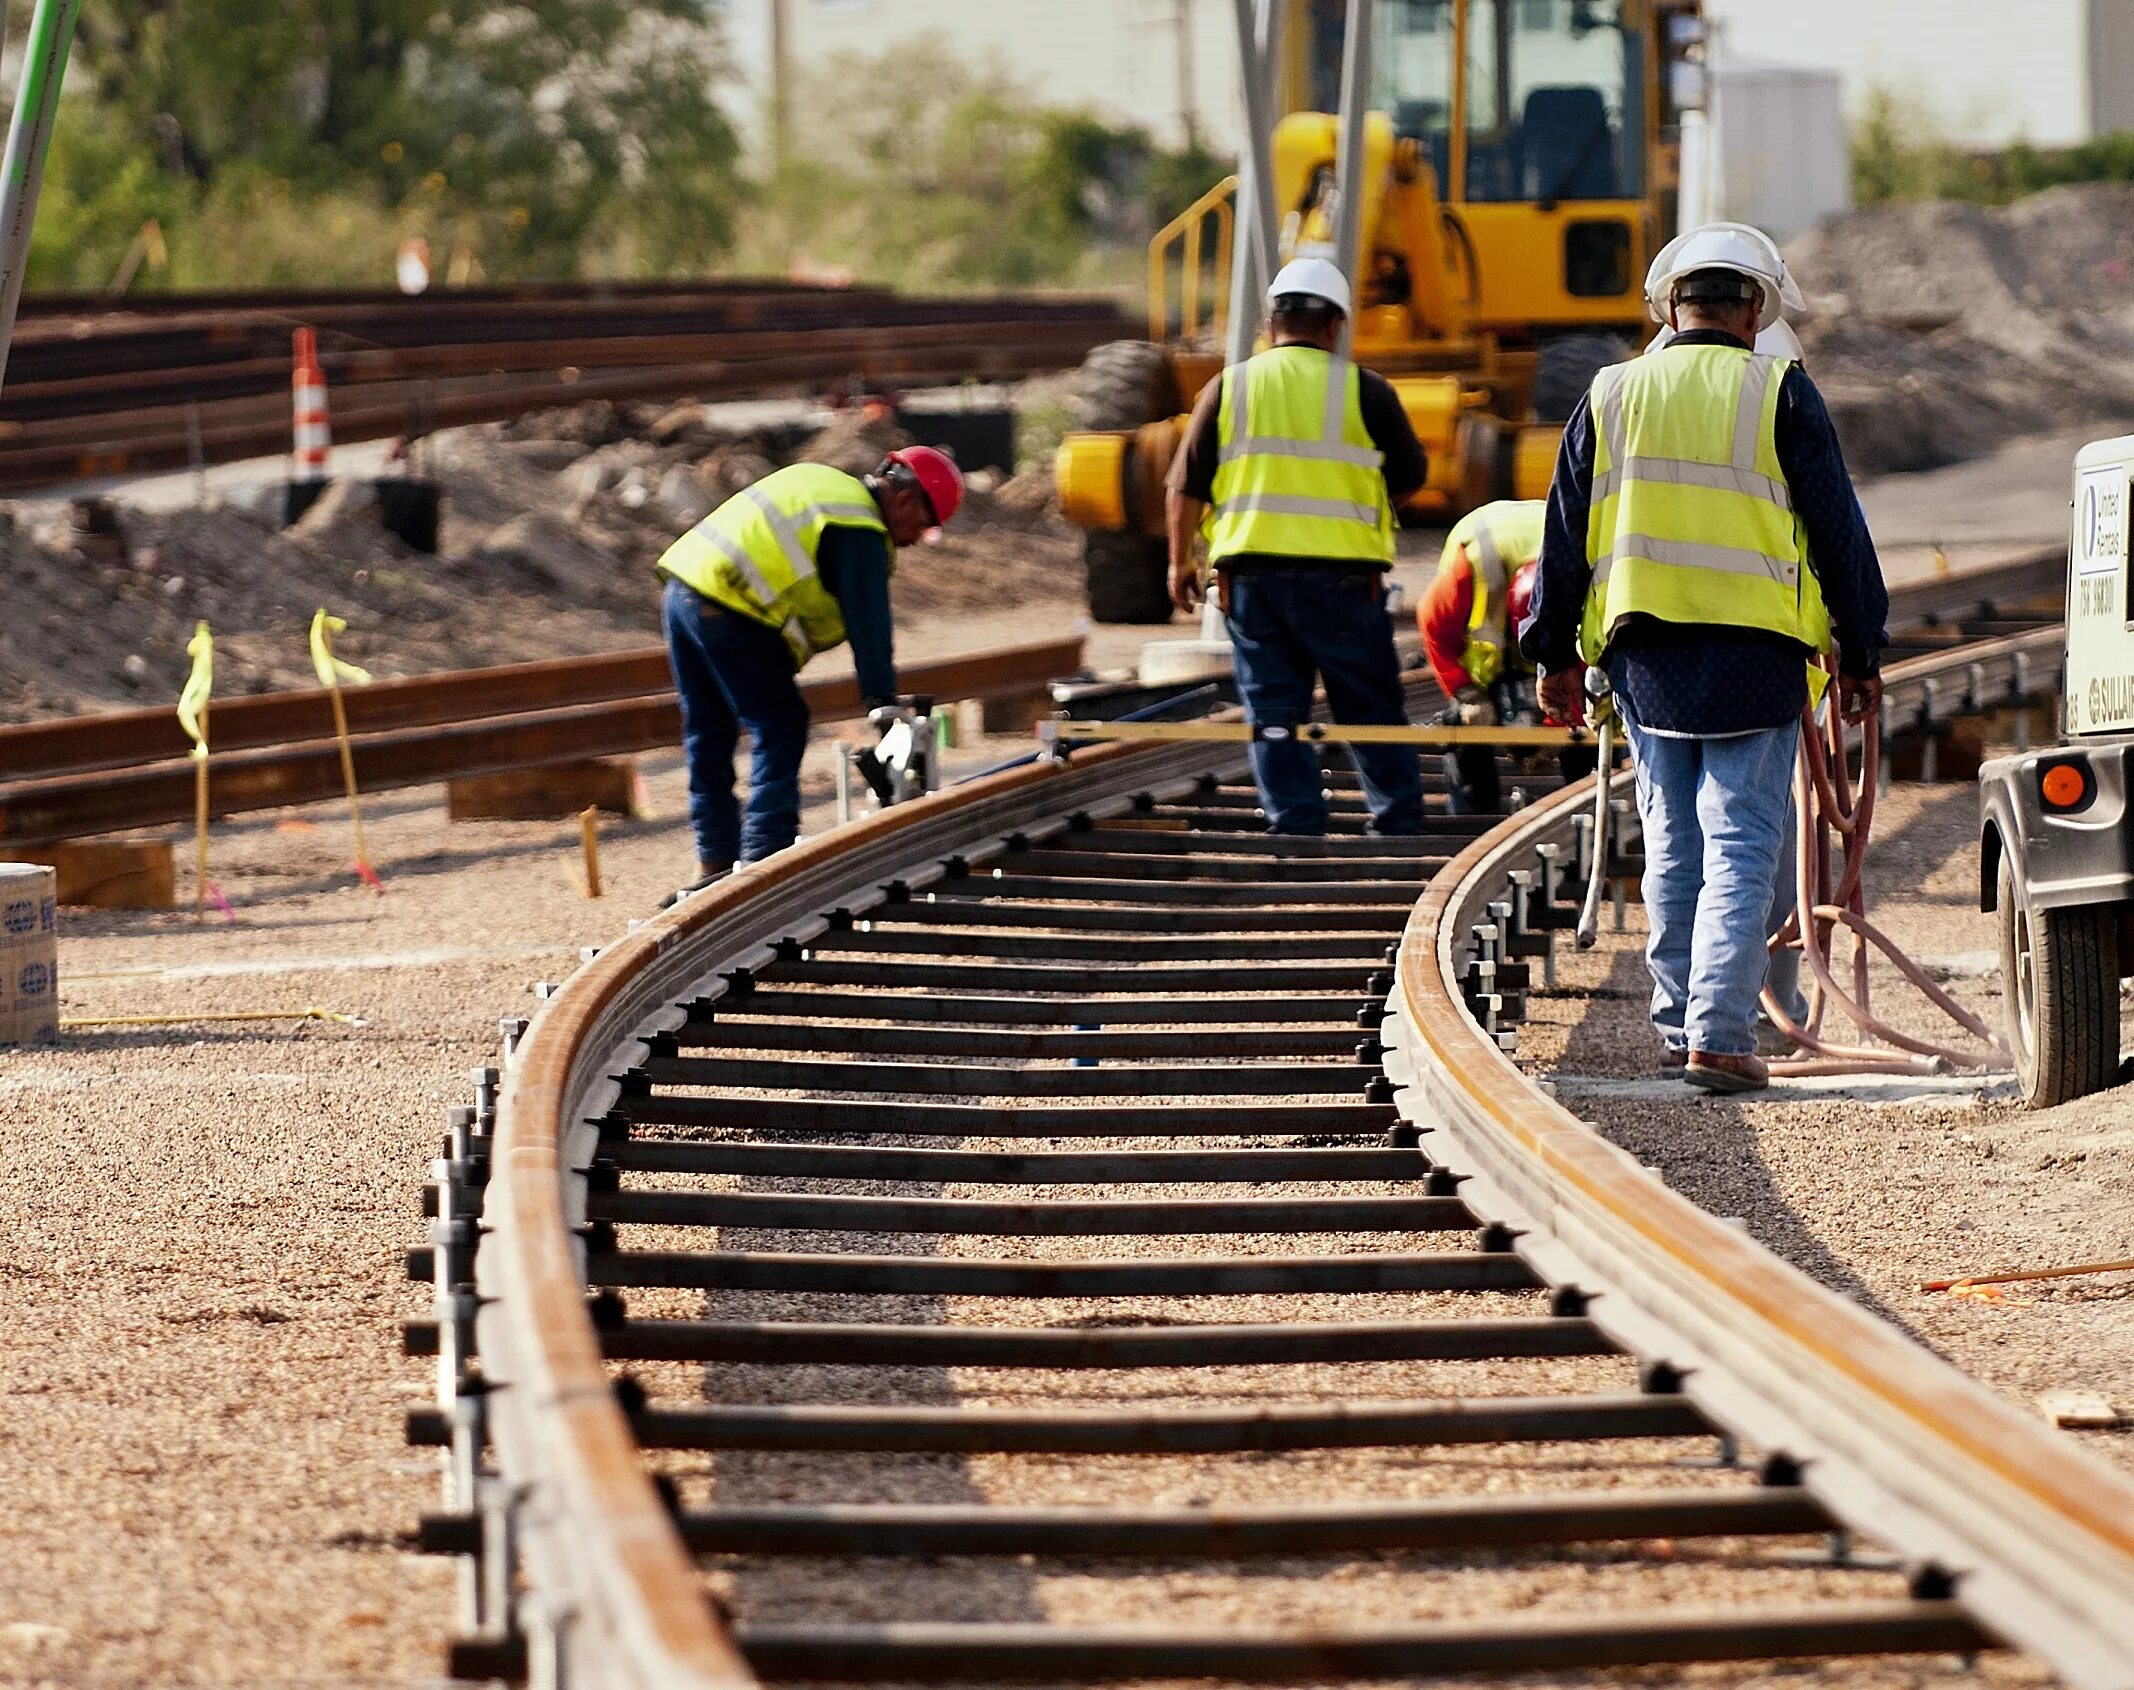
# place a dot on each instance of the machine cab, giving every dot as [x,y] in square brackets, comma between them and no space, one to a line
[2056,837]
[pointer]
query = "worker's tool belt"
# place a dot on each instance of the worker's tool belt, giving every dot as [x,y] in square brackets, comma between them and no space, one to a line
[1500,539]
[1691,517]
[755,554]
[1297,474]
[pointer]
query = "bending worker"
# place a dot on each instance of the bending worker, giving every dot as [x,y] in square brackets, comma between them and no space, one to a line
[1302,457]
[1469,619]
[1702,543]
[794,565]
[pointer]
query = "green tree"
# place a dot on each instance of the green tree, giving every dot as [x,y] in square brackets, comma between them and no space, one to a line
[544,136]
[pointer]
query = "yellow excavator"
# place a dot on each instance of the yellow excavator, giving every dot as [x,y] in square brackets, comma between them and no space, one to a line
[1520,164]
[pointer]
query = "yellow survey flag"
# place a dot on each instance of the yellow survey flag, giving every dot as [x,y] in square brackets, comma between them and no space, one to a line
[192,702]
[332,671]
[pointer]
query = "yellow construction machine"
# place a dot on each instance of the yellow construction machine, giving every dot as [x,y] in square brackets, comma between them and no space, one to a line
[1520,162]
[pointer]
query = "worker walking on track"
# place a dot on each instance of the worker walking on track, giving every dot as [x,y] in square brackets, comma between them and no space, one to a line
[794,565]
[1702,543]
[1470,620]
[1291,466]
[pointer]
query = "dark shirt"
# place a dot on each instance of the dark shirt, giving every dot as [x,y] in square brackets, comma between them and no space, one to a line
[1708,678]
[1405,468]
[854,566]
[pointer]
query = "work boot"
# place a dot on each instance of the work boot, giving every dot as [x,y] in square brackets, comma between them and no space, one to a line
[707,873]
[1713,1071]
[1673,1059]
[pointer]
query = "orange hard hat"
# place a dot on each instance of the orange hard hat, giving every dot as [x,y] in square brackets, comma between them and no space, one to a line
[938,478]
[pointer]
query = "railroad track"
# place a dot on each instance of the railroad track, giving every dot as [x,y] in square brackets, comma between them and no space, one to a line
[1104,1189]
[148,387]
[82,775]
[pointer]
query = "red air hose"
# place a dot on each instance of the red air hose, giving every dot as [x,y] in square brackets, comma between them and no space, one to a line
[1835,820]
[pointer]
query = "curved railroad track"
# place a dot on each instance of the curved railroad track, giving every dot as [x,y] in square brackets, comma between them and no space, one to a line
[1140,1260]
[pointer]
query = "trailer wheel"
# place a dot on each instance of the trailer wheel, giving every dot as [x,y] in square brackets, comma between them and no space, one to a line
[2060,976]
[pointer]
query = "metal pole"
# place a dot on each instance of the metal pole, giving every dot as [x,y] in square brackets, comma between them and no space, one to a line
[44,67]
[1255,61]
[1254,234]
[1348,168]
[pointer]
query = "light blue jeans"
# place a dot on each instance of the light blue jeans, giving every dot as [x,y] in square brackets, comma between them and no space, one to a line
[1715,815]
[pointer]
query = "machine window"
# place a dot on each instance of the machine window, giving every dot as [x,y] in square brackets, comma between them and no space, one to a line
[1553,90]
[1596,258]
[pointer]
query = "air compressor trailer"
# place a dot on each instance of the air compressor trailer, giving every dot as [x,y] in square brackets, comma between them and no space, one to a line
[2056,843]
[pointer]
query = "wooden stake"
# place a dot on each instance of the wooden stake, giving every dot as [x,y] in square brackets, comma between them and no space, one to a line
[589,840]
[200,821]
[2126,1266]
[348,776]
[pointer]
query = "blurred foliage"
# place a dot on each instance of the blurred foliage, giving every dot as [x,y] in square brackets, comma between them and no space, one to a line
[916,166]
[302,142]
[544,137]
[1900,152]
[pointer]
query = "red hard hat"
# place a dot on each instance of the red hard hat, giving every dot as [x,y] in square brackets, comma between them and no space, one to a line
[1518,596]
[938,477]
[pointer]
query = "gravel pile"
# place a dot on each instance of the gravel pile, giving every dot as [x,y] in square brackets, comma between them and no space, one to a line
[1937,330]
[549,531]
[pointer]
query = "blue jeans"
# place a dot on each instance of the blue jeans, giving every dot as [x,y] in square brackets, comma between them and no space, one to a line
[734,673]
[1714,813]
[1290,626]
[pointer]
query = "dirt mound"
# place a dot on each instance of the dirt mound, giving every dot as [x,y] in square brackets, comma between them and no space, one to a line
[549,531]
[1939,329]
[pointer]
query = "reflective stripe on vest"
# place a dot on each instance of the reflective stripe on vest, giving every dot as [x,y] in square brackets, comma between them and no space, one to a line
[1499,539]
[755,554]
[1691,517]
[1297,473]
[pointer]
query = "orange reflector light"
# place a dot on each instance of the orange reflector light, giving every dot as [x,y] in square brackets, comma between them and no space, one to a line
[2063,786]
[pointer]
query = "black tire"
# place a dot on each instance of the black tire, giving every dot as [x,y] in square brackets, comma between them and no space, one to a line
[1566,370]
[1126,383]
[2060,979]
[1128,578]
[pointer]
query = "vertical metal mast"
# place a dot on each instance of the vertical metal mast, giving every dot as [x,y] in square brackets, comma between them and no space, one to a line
[44,67]
[1348,170]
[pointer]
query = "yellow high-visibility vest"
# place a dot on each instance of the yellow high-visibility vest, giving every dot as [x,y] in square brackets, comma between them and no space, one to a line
[1692,520]
[1297,475]
[1500,539]
[755,554]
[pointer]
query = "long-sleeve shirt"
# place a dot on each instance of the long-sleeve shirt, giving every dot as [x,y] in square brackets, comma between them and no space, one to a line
[1405,467]
[1709,679]
[854,565]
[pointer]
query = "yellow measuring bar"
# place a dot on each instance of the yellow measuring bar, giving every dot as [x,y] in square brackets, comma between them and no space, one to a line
[1313,733]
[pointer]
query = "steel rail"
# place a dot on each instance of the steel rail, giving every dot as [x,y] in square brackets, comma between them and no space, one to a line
[2037,1539]
[607,1555]
[93,774]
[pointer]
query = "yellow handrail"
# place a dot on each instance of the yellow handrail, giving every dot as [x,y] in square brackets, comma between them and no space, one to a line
[1186,229]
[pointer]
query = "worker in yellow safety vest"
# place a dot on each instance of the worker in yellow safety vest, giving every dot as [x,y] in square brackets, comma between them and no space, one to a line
[1702,543]
[1469,618]
[784,569]
[1290,470]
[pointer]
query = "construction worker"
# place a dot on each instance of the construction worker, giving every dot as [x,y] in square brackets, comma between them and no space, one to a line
[1702,543]
[1291,466]
[794,565]
[1469,619]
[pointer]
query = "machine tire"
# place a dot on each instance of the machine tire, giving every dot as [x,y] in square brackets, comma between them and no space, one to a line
[1565,371]
[1128,578]
[1126,383]
[2060,980]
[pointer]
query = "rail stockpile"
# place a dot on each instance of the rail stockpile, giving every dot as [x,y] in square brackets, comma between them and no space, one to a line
[1138,1258]
[96,388]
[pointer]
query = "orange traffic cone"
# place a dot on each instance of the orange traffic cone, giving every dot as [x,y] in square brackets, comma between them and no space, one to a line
[314,440]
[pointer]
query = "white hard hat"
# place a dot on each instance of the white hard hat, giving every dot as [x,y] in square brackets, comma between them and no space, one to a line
[1320,278]
[1737,247]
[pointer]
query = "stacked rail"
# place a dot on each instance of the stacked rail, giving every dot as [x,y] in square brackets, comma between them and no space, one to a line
[83,775]
[182,380]
[970,1047]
